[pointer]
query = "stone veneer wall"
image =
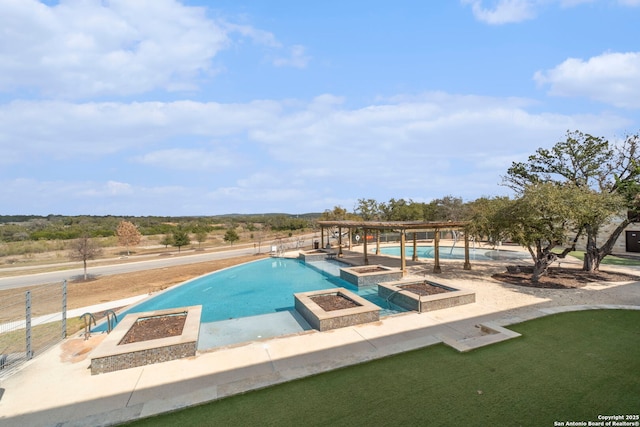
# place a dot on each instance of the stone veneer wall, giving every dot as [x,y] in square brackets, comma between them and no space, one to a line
[315,255]
[415,302]
[620,246]
[351,275]
[134,359]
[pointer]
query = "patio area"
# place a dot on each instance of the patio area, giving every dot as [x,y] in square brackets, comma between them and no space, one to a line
[57,388]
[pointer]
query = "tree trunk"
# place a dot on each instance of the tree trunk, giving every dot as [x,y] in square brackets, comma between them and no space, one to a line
[84,261]
[543,260]
[595,255]
[591,262]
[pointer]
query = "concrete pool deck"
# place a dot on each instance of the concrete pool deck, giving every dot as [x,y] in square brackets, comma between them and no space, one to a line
[57,388]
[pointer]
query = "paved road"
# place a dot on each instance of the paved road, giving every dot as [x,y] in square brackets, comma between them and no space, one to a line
[161,262]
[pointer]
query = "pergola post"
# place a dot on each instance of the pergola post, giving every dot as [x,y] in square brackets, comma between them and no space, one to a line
[467,264]
[403,258]
[350,237]
[377,242]
[436,252]
[366,255]
[415,247]
[321,237]
[340,242]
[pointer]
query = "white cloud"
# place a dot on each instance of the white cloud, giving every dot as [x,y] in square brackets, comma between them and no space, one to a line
[83,48]
[79,49]
[612,78]
[320,134]
[258,36]
[297,58]
[61,130]
[107,189]
[499,12]
[190,159]
[270,153]
[503,11]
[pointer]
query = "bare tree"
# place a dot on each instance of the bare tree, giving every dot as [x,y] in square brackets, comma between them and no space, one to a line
[128,234]
[84,249]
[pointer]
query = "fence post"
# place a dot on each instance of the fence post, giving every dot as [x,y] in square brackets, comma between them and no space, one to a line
[64,309]
[27,325]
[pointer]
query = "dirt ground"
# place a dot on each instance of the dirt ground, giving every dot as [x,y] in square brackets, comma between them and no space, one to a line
[153,328]
[560,277]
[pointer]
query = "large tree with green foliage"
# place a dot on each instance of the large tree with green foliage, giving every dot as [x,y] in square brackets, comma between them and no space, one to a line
[231,236]
[180,238]
[368,209]
[543,217]
[588,162]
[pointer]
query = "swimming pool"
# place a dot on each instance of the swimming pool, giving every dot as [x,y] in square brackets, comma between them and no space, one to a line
[452,252]
[256,288]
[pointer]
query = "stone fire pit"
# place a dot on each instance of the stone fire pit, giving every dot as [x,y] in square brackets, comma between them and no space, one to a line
[316,255]
[173,334]
[335,308]
[424,295]
[369,275]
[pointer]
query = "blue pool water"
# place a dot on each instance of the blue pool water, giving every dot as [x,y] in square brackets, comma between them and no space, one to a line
[260,287]
[448,252]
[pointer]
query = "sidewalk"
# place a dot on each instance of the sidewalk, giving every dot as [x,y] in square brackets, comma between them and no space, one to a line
[57,389]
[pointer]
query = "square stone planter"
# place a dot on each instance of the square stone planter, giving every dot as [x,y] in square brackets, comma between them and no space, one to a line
[369,275]
[361,310]
[112,355]
[316,255]
[451,297]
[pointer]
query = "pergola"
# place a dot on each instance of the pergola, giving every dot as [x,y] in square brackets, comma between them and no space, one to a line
[402,227]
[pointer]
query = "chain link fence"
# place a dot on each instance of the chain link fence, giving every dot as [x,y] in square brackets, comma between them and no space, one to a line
[31,322]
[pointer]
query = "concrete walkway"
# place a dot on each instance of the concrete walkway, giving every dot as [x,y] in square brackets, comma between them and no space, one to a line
[57,388]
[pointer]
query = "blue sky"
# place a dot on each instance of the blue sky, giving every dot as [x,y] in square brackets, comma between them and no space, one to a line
[193,107]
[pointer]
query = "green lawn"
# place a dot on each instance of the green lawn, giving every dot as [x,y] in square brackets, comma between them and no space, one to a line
[608,260]
[566,367]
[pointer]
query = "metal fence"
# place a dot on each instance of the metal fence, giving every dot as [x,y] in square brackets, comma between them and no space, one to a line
[31,322]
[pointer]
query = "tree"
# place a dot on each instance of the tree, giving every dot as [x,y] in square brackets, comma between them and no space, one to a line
[231,236]
[180,238]
[487,218]
[541,219]
[450,208]
[338,214]
[401,210]
[167,240]
[84,249]
[128,234]
[201,235]
[588,162]
[368,209]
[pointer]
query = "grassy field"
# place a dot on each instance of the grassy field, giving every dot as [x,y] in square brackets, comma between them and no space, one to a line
[566,367]
[608,260]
